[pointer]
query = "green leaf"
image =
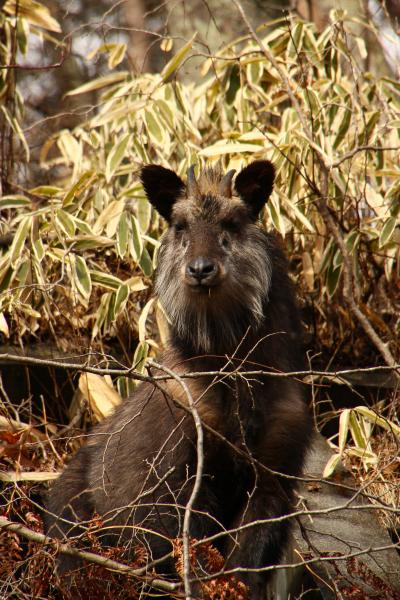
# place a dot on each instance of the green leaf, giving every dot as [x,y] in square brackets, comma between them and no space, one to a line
[143,213]
[139,359]
[109,218]
[84,182]
[38,249]
[332,279]
[22,35]
[105,280]
[66,222]
[375,419]
[177,60]
[87,242]
[121,299]
[352,240]
[387,231]
[372,121]
[331,466]
[102,315]
[125,386]
[345,120]
[15,126]
[153,127]
[19,240]
[81,276]
[276,216]
[115,156]
[14,201]
[46,190]
[300,215]
[135,240]
[145,263]
[344,422]
[356,432]
[122,235]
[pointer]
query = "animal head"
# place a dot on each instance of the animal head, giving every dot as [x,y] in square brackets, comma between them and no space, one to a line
[214,270]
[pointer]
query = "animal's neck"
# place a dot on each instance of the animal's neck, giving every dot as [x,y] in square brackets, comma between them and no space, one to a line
[251,347]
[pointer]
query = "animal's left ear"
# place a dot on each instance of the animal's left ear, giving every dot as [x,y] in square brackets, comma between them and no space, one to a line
[254,185]
[162,187]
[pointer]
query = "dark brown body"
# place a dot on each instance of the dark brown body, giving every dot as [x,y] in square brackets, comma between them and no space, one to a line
[225,287]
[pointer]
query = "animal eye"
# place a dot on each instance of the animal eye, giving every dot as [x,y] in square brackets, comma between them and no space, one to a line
[225,240]
[180,226]
[232,226]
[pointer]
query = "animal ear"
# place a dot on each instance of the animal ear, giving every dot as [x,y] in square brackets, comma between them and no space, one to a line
[162,187]
[254,185]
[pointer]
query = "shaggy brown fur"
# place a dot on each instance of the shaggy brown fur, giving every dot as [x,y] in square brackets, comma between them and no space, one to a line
[224,285]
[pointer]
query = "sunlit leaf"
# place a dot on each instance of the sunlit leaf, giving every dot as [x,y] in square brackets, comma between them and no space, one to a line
[121,298]
[344,422]
[14,201]
[105,280]
[98,83]
[66,222]
[219,149]
[375,419]
[331,465]
[143,318]
[145,263]
[116,155]
[34,12]
[177,59]
[100,394]
[81,275]
[117,55]
[139,359]
[4,329]
[135,240]
[109,218]
[19,239]
[122,235]
[387,231]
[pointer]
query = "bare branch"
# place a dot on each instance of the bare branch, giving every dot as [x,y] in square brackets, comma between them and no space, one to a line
[91,557]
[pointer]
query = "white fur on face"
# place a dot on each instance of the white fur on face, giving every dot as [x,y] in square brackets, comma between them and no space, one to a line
[219,317]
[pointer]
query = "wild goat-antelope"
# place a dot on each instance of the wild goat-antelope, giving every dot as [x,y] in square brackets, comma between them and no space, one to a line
[223,283]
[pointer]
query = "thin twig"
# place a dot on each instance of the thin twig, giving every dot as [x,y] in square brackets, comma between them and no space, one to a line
[198,477]
[91,557]
[130,371]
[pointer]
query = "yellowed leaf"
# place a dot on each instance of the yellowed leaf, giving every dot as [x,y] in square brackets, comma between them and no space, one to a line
[308,270]
[34,12]
[219,149]
[109,218]
[162,323]
[14,476]
[143,319]
[4,325]
[331,465]
[166,44]
[100,394]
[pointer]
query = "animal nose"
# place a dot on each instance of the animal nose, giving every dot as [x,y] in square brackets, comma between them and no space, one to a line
[202,269]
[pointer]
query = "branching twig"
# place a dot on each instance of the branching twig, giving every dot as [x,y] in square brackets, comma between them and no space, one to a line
[91,557]
[198,476]
[130,371]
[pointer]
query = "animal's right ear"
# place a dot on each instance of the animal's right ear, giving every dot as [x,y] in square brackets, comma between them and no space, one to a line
[162,187]
[254,185]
